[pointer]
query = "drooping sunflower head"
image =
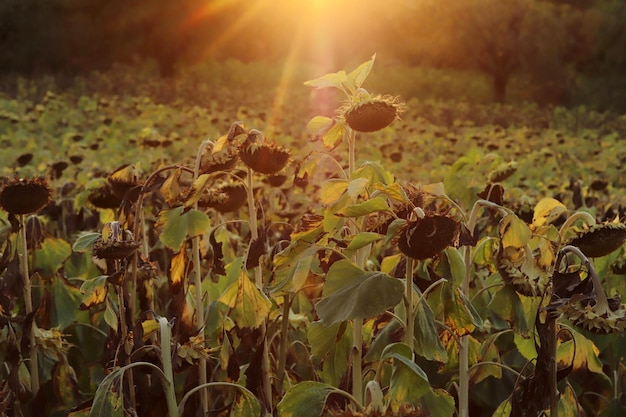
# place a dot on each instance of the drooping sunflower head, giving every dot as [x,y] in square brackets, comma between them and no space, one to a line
[25,195]
[428,235]
[600,239]
[262,156]
[225,198]
[372,114]
[585,315]
[115,242]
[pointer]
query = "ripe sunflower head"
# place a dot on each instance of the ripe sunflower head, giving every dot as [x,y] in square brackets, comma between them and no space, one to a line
[261,156]
[372,114]
[428,235]
[24,196]
[600,239]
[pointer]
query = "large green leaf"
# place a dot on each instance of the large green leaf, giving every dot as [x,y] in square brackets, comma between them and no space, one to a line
[426,342]
[306,399]
[66,299]
[178,226]
[50,257]
[351,293]
[581,353]
[249,306]
[109,400]
[85,241]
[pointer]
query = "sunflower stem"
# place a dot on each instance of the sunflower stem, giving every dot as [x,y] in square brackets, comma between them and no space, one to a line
[28,305]
[200,324]
[408,303]
[282,357]
[258,279]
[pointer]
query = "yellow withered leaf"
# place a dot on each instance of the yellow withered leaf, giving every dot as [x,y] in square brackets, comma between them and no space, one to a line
[514,231]
[94,292]
[547,211]
[220,144]
[177,271]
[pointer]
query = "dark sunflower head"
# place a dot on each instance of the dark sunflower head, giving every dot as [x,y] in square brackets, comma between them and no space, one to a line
[115,243]
[223,160]
[428,236]
[600,239]
[261,156]
[123,179]
[372,114]
[23,196]
[225,198]
[103,197]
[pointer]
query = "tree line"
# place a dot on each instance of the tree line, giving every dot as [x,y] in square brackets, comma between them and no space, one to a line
[558,46]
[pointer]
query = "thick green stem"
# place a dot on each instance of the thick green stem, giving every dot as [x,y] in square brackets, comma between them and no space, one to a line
[464,342]
[357,330]
[166,361]
[408,304]
[28,305]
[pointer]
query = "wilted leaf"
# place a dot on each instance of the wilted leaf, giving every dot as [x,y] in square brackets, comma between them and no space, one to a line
[513,231]
[546,211]
[293,265]
[178,266]
[94,291]
[249,306]
[408,381]
[197,188]
[109,400]
[332,190]
[581,353]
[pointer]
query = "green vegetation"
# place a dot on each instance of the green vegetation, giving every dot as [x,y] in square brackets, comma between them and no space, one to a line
[219,244]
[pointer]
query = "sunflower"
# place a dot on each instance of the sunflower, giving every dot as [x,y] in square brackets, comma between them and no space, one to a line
[372,114]
[24,196]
